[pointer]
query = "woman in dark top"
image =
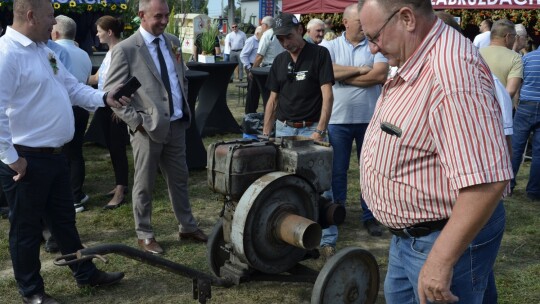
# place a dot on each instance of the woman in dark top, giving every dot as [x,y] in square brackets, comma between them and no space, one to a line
[115,130]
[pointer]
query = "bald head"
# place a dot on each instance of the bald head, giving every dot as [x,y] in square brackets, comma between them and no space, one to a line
[34,19]
[351,10]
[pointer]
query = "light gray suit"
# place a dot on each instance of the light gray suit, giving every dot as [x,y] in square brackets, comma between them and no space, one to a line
[163,144]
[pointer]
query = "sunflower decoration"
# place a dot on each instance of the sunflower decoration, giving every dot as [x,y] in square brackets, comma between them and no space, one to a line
[76,6]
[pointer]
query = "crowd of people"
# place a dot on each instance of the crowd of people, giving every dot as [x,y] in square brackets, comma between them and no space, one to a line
[440,124]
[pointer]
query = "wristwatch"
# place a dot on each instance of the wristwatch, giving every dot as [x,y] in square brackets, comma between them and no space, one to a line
[321,132]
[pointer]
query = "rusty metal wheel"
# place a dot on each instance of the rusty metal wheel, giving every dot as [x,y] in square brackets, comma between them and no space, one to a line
[253,227]
[216,253]
[349,277]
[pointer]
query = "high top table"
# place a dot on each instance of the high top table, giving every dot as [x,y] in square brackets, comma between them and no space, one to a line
[212,113]
[195,151]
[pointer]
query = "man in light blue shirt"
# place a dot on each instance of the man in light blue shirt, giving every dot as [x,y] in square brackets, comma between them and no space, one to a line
[359,76]
[527,121]
[63,33]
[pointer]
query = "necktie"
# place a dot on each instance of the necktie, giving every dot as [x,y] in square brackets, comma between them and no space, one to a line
[164,75]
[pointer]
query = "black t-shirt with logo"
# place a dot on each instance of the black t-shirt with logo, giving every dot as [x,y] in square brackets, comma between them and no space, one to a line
[299,84]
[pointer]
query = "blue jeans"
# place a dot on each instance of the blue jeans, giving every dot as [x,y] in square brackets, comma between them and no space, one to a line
[527,120]
[342,137]
[45,191]
[283,130]
[472,281]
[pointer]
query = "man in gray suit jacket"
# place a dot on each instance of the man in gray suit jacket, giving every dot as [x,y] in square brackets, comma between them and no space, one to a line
[157,118]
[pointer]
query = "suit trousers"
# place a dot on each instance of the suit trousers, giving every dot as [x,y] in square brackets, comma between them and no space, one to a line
[170,158]
[44,192]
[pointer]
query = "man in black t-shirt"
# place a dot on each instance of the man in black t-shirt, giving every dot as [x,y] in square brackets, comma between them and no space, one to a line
[300,82]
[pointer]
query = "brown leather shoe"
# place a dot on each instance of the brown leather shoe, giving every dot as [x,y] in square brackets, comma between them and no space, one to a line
[197,235]
[40,298]
[150,245]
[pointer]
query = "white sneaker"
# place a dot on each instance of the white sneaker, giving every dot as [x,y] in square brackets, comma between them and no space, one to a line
[79,205]
[79,209]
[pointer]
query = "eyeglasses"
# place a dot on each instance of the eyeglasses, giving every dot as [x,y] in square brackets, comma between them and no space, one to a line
[234,26]
[376,36]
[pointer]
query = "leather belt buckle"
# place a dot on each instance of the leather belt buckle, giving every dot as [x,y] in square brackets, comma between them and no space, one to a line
[299,124]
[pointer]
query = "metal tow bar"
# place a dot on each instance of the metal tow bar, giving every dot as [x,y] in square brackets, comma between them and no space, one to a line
[202,282]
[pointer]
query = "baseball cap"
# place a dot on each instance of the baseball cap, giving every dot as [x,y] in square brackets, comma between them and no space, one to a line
[284,23]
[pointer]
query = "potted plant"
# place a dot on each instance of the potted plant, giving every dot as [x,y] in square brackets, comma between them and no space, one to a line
[208,43]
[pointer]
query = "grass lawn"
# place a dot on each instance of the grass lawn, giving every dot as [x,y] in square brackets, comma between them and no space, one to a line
[517,268]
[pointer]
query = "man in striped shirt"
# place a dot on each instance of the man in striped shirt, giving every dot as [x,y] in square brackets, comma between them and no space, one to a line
[434,163]
[527,120]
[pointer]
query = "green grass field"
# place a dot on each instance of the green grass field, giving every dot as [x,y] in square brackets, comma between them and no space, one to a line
[517,268]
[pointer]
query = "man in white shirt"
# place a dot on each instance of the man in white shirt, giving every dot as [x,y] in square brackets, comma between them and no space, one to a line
[36,120]
[236,40]
[482,40]
[63,33]
[269,47]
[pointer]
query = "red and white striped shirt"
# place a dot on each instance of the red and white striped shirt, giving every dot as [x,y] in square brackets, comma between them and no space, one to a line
[443,100]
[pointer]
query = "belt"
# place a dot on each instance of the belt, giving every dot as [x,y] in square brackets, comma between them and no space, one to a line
[45,150]
[419,230]
[527,102]
[238,50]
[298,124]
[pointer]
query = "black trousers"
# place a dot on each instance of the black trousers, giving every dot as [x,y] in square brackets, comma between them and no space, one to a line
[116,138]
[252,96]
[74,153]
[44,192]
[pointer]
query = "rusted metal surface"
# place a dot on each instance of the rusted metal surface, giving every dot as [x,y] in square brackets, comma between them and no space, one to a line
[305,158]
[233,166]
[253,226]
[298,231]
[351,276]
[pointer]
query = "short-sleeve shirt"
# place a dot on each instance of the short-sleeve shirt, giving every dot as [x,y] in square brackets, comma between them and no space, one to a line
[503,62]
[299,84]
[269,47]
[442,100]
[530,90]
[353,104]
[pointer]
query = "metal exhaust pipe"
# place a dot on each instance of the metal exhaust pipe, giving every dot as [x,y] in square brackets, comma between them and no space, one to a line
[298,231]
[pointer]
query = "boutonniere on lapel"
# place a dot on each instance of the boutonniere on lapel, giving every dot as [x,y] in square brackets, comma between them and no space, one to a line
[52,62]
[177,51]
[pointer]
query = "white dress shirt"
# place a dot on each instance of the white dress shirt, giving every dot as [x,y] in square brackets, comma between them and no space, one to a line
[173,76]
[35,101]
[482,40]
[237,40]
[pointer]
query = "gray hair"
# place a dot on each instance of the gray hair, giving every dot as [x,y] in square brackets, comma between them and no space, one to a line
[521,30]
[313,22]
[268,20]
[423,6]
[144,5]
[66,27]
[501,28]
